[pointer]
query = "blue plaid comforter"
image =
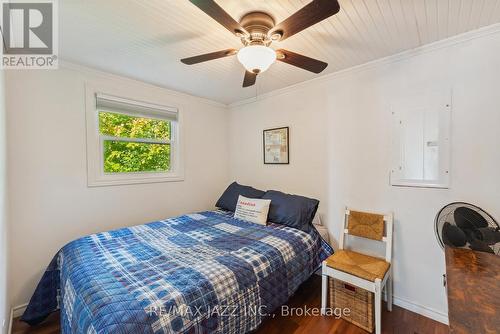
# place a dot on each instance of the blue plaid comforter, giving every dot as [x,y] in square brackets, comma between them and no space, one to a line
[197,273]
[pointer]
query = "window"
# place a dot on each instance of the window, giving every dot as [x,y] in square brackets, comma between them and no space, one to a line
[134,144]
[131,142]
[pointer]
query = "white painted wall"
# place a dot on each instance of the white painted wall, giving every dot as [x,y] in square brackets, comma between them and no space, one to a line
[4,299]
[340,153]
[49,201]
[340,150]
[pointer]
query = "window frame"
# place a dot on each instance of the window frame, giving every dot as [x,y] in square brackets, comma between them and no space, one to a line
[96,176]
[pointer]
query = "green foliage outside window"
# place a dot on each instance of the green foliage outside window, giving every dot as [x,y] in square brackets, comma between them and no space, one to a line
[129,156]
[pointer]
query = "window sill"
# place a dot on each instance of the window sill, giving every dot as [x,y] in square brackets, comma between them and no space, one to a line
[420,184]
[135,179]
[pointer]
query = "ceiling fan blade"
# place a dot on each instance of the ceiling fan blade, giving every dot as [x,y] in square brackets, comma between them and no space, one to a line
[209,56]
[312,13]
[249,79]
[301,61]
[212,9]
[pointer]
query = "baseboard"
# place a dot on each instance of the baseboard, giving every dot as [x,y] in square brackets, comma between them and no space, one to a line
[18,310]
[422,310]
[11,319]
[15,312]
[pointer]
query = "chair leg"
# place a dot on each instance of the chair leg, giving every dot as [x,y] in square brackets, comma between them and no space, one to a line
[378,307]
[324,289]
[388,287]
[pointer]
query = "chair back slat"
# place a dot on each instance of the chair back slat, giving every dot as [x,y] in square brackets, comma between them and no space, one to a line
[366,225]
[371,226]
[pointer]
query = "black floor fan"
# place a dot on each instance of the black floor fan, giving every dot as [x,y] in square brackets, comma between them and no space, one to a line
[464,225]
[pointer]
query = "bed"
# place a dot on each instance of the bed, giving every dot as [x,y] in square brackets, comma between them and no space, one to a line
[198,273]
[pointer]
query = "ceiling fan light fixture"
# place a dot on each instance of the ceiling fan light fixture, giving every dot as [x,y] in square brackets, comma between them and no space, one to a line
[256,58]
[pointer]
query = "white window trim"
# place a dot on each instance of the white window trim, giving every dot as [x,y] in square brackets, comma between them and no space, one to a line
[96,176]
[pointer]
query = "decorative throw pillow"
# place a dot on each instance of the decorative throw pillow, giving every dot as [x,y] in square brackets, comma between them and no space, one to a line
[229,198]
[291,210]
[252,210]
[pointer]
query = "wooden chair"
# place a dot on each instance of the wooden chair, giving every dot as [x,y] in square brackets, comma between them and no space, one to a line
[364,271]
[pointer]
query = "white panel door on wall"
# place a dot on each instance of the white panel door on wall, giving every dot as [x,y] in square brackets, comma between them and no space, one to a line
[421,141]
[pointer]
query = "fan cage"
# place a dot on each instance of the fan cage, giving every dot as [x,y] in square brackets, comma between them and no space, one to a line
[446,214]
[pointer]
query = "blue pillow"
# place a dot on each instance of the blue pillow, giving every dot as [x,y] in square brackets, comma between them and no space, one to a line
[291,210]
[229,198]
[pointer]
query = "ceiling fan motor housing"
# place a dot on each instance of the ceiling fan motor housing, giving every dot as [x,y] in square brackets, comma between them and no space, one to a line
[258,25]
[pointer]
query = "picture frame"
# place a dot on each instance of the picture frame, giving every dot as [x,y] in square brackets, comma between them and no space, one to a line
[276,146]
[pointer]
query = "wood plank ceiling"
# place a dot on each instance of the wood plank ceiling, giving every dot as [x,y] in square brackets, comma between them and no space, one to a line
[145,39]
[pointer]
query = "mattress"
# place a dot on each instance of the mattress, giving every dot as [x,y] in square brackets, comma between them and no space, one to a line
[197,273]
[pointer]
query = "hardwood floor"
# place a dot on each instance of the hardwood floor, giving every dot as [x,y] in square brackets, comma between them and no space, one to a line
[49,326]
[399,321]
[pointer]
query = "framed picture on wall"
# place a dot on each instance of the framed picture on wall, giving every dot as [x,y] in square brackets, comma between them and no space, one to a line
[276,146]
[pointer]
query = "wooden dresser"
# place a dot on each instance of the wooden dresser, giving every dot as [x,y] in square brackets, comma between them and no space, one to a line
[473,284]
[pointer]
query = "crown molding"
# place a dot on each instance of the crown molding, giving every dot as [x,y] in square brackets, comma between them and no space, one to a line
[405,55]
[112,76]
[428,48]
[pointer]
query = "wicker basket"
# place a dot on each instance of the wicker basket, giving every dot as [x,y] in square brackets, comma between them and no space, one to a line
[359,301]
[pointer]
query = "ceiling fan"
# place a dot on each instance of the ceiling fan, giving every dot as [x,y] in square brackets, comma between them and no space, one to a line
[257,30]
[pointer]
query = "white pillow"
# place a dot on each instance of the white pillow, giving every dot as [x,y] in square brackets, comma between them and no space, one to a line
[252,209]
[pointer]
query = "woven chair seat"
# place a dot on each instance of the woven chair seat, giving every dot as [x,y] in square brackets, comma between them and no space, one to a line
[363,266]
